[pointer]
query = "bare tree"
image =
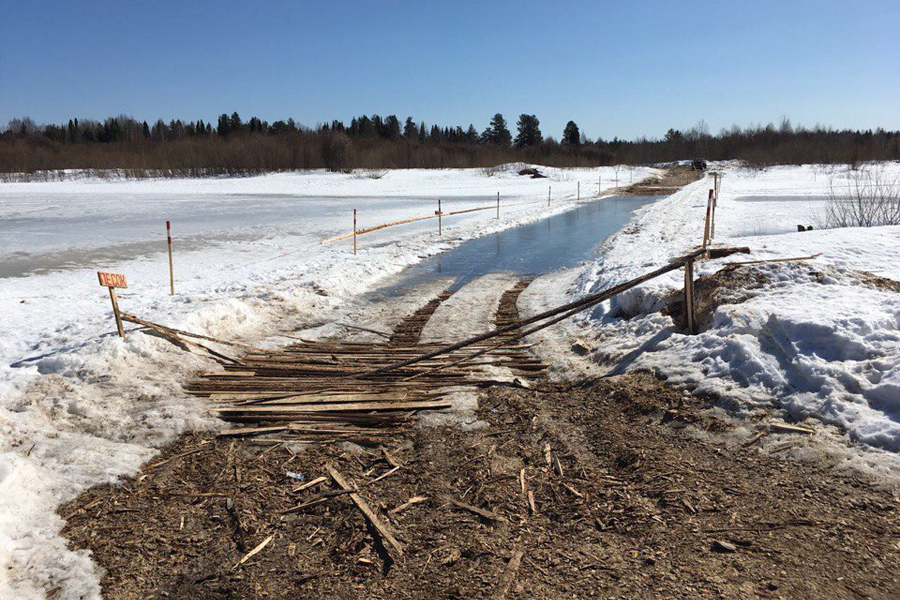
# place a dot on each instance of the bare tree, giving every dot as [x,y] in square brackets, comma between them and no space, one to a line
[871,198]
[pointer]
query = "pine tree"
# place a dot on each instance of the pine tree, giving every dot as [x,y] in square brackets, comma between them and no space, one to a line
[571,135]
[529,131]
[497,132]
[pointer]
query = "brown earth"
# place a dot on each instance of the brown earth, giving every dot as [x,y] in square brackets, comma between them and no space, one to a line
[669,182]
[628,502]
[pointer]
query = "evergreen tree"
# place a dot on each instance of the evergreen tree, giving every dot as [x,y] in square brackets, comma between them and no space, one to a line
[410,131]
[497,132]
[529,131]
[235,123]
[222,127]
[392,127]
[422,135]
[471,134]
[571,135]
[145,130]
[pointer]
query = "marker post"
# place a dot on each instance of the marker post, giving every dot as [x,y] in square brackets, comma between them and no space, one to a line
[112,281]
[171,267]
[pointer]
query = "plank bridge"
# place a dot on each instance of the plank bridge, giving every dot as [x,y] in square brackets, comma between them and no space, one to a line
[312,392]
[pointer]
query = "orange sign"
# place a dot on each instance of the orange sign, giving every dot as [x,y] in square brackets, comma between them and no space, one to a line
[112,280]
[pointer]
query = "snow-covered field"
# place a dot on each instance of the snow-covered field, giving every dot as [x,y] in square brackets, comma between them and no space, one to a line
[825,347]
[80,407]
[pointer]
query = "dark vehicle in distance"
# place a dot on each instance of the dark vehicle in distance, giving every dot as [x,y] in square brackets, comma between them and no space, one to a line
[698,164]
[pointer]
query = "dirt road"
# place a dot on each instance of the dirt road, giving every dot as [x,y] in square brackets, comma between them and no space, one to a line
[631,503]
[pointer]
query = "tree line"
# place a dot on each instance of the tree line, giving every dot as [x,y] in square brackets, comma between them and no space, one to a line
[233,145]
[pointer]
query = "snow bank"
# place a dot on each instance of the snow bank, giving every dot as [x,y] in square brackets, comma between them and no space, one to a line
[818,340]
[79,407]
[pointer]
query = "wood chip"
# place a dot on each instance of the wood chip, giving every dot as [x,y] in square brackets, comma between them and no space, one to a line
[481,512]
[509,575]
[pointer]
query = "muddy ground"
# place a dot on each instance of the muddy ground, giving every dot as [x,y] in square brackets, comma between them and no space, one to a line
[628,502]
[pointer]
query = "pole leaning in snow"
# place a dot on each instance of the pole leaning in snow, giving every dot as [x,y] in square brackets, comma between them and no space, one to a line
[569,309]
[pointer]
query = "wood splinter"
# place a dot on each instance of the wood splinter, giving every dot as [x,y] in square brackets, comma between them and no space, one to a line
[364,508]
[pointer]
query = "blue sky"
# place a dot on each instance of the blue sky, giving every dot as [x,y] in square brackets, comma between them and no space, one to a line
[621,68]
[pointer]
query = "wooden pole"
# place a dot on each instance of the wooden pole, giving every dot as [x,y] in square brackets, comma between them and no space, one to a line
[440,225]
[171,267]
[115,305]
[549,188]
[354,232]
[706,222]
[498,205]
[689,296]
[579,190]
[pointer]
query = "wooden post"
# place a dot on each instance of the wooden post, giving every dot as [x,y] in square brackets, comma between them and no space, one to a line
[112,281]
[706,222]
[549,188]
[498,205]
[579,190]
[599,184]
[689,296]
[171,268]
[440,225]
[115,305]
[354,232]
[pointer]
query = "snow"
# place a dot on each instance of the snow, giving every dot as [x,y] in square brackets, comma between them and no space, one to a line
[81,407]
[818,341]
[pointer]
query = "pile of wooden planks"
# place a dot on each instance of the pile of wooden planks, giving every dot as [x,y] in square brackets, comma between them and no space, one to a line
[310,392]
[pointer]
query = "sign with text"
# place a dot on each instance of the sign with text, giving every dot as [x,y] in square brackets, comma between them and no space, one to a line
[112,280]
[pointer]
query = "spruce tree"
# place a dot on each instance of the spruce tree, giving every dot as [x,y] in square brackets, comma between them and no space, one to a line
[571,135]
[222,127]
[410,131]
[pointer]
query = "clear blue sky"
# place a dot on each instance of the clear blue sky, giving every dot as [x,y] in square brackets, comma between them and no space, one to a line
[617,68]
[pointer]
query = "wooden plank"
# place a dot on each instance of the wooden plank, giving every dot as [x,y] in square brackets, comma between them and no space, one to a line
[370,515]
[338,407]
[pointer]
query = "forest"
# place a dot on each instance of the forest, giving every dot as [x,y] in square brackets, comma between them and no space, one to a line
[125,146]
